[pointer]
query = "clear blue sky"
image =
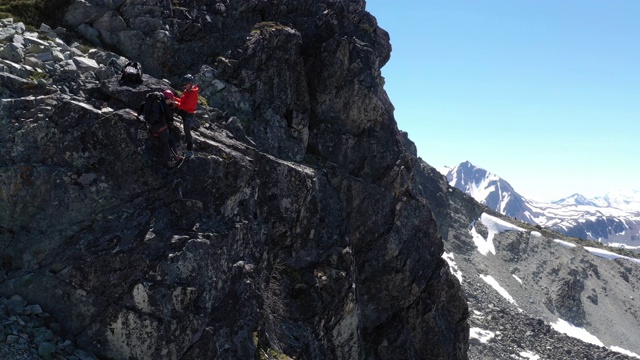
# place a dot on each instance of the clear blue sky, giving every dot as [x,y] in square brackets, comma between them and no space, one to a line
[545,94]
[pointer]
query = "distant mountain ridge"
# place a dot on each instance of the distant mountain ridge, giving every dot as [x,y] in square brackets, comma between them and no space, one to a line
[575,199]
[613,218]
[624,200]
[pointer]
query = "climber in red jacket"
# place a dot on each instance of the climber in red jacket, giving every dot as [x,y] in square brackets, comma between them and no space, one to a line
[186,104]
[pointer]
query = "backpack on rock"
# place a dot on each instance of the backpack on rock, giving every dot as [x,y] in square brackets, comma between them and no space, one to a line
[132,73]
[154,108]
[156,113]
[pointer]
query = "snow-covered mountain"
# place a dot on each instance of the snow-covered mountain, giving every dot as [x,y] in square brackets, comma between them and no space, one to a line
[489,189]
[575,199]
[628,200]
[613,218]
[621,199]
[528,287]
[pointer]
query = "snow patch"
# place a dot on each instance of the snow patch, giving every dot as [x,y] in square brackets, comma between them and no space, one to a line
[569,329]
[565,243]
[504,202]
[483,245]
[599,252]
[529,355]
[481,334]
[481,191]
[609,255]
[536,234]
[517,278]
[624,246]
[623,351]
[494,226]
[444,170]
[453,267]
[491,281]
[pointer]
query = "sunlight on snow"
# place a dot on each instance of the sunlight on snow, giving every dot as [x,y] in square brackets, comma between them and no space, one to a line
[609,255]
[484,189]
[567,328]
[453,267]
[484,246]
[623,351]
[565,243]
[624,246]
[599,252]
[481,334]
[494,226]
[529,355]
[491,281]
[504,202]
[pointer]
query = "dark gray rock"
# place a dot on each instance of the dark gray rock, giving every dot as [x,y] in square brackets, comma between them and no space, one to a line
[12,52]
[24,333]
[300,228]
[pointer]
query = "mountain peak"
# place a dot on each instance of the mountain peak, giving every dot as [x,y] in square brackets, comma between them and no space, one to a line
[488,189]
[466,165]
[575,199]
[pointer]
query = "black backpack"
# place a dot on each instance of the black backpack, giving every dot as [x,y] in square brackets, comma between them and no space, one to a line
[132,73]
[154,108]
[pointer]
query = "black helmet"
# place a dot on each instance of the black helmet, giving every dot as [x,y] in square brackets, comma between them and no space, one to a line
[187,79]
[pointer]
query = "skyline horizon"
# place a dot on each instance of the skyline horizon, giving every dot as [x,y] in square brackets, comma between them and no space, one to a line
[544,94]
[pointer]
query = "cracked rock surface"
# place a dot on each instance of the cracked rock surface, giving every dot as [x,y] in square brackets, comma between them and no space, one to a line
[298,228]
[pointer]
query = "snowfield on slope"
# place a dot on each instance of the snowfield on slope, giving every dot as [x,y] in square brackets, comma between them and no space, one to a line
[494,226]
[599,252]
[579,333]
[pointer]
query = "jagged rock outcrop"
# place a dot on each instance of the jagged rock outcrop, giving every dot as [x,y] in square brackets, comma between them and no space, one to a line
[301,225]
[26,333]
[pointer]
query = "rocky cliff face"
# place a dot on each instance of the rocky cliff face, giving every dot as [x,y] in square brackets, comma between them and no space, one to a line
[301,226]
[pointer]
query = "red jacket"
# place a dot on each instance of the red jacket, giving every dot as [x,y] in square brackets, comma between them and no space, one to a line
[188,100]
